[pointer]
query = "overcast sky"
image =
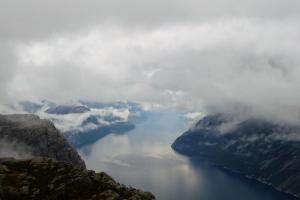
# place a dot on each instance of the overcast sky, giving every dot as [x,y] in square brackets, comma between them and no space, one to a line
[229,55]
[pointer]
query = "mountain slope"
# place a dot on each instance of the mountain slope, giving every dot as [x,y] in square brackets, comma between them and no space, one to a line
[257,148]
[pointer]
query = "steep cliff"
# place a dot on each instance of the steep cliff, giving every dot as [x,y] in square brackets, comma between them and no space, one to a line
[40,138]
[259,149]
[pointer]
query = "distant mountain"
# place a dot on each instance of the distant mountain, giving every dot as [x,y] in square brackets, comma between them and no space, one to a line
[85,122]
[258,149]
[86,137]
[39,137]
[137,113]
[67,109]
[51,180]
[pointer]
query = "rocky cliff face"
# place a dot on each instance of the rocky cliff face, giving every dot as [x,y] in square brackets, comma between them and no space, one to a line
[258,149]
[51,180]
[40,138]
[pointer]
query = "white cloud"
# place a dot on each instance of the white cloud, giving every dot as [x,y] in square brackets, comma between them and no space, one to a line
[73,122]
[193,117]
[192,55]
[216,64]
[14,149]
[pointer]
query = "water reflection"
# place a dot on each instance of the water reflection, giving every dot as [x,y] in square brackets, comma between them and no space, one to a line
[143,158]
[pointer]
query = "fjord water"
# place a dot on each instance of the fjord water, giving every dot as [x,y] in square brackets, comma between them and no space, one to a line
[143,158]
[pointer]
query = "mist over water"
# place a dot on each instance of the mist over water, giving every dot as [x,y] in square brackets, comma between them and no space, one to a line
[144,159]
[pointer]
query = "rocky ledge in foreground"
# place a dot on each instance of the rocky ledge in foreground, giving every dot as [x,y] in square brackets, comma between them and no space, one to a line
[259,149]
[47,179]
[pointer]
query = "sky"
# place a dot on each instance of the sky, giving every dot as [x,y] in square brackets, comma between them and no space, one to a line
[211,56]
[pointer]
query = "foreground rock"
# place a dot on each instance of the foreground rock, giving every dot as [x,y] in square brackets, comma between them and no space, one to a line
[44,178]
[258,149]
[40,138]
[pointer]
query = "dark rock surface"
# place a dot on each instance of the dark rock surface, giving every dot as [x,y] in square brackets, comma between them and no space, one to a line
[44,178]
[258,149]
[42,138]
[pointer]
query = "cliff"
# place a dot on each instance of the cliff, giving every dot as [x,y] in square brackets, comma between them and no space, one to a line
[44,178]
[40,138]
[52,169]
[256,148]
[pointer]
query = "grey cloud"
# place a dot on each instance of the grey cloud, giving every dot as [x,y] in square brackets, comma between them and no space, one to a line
[14,149]
[8,68]
[34,18]
[240,56]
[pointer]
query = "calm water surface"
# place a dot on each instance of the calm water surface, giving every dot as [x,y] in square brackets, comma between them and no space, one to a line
[144,159]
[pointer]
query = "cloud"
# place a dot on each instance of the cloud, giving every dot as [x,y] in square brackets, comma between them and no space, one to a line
[8,67]
[193,117]
[73,122]
[192,55]
[36,19]
[294,136]
[215,64]
[14,149]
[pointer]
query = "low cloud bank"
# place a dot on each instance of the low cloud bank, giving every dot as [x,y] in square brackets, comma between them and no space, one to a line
[239,66]
[74,122]
[14,149]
